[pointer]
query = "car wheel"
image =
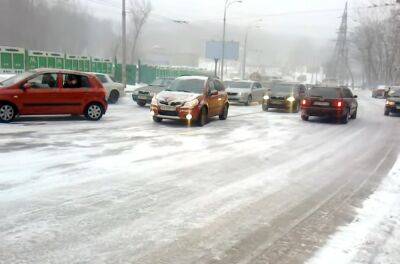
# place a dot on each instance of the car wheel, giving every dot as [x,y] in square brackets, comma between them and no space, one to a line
[224,114]
[354,115]
[114,97]
[249,100]
[203,119]
[141,103]
[305,117]
[94,112]
[7,113]
[265,107]
[387,112]
[157,119]
[346,117]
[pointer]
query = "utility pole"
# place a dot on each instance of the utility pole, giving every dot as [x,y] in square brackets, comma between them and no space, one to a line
[339,67]
[244,56]
[124,79]
[223,42]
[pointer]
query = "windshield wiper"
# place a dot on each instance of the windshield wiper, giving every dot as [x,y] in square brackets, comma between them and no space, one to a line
[184,91]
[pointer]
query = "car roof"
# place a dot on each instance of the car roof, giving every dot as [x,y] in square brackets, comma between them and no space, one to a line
[50,70]
[243,81]
[97,73]
[203,78]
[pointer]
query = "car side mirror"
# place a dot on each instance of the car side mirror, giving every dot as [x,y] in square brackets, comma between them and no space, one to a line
[355,96]
[26,86]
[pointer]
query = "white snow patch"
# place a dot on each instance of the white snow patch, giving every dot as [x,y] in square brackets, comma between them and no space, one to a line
[374,236]
[5,76]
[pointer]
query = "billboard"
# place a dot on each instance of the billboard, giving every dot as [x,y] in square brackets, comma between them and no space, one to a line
[214,50]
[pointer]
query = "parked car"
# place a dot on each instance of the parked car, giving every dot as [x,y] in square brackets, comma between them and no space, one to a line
[245,92]
[52,92]
[393,101]
[286,96]
[191,99]
[380,91]
[143,95]
[334,102]
[114,89]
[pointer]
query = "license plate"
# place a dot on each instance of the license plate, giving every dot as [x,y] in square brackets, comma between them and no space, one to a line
[142,97]
[321,103]
[276,102]
[167,108]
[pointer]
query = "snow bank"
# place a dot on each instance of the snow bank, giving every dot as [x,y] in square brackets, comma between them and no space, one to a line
[374,236]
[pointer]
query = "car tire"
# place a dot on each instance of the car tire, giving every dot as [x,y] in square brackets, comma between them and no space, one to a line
[354,115]
[7,113]
[224,114]
[265,107]
[203,118]
[157,119]
[94,112]
[387,112]
[141,103]
[305,117]
[114,97]
[345,118]
[249,100]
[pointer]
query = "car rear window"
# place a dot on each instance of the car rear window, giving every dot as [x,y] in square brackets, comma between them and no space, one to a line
[325,92]
[102,78]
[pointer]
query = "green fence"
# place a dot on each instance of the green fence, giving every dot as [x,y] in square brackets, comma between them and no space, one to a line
[17,60]
[12,60]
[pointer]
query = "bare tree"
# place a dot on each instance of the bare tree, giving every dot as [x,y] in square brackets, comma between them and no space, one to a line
[139,11]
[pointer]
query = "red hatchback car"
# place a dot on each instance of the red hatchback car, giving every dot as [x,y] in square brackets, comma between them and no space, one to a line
[52,92]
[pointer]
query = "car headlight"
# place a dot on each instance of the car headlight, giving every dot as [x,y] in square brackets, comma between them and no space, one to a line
[390,103]
[154,101]
[191,104]
[291,99]
[266,97]
[152,94]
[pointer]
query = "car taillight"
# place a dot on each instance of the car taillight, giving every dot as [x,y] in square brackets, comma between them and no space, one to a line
[338,104]
[305,102]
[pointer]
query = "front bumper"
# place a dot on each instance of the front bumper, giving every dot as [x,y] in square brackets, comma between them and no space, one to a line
[239,98]
[322,111]
[280,104]
[393,109]
[179,114]
[142,98]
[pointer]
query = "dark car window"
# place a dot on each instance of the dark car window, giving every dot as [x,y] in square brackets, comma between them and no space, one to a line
[282,88]
[102,78]
[75,81]
[257,86]
[219,86]
[44,81]
[347,93]
[187,85]
[325,92]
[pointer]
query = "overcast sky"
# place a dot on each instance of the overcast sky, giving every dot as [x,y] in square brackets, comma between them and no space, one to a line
[316,18]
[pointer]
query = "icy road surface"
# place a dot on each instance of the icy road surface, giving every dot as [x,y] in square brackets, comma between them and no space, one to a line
[257,188]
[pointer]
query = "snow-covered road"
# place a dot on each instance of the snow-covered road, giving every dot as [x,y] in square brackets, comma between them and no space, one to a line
[257,188]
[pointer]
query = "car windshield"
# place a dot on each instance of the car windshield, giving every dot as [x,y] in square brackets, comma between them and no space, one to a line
[282,88]
[102,78]
[325,92]
[238,85]
[16,79]
[187,86]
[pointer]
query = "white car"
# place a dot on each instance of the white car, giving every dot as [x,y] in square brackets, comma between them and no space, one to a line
[114,90]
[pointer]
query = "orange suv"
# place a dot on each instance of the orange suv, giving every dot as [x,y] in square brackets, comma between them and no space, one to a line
[191,98]
[52,92]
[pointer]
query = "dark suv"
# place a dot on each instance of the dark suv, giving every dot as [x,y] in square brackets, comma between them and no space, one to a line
[393,101]
[285,96]
[334,102]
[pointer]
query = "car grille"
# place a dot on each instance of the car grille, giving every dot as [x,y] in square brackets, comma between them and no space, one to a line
[278,98]
[232,94]
[144,93]
[168,113]
[171,103]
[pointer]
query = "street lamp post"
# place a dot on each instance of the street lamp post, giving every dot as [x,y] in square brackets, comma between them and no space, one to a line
[227,4]
[245,48]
